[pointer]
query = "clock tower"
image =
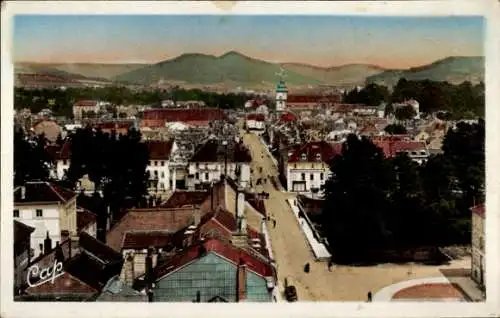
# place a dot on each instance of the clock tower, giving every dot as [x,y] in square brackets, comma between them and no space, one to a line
[281,96]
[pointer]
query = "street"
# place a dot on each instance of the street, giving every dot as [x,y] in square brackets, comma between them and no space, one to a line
[291,251]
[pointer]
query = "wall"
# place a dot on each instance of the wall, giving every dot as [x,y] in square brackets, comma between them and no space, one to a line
[162,171]
[49,222]
[295,170]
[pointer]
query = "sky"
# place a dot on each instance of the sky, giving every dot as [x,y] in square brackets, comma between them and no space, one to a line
[392,42]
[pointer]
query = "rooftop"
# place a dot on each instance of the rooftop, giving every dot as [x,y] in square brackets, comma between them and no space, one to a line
[42,192]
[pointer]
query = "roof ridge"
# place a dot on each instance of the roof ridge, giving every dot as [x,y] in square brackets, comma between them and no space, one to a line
[54,190]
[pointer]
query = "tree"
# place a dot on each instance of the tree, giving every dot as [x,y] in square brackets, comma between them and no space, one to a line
[395,129]
[357,190]
[31,161]
[405,113]
[464,148]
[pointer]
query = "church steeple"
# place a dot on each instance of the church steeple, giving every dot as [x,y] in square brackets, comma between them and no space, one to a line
[281,92]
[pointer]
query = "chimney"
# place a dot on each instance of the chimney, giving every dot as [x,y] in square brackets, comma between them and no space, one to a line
[149,268]
[241,281]
[197,214]
[47,244]
[240,208]
[263,225]
[129,269]
[23,192]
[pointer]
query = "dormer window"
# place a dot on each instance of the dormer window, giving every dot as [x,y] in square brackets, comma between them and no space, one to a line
[304,157]
[318,157]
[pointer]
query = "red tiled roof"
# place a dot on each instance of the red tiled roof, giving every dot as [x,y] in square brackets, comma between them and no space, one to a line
[287,117]
[22,231]
[229,252]
[479,210]
[64,284]
[153,123]
[113,125]
[85,103]
[180,199]
[84,218]
[42,192]
[144,240]
[312,149]
[297,99]
[185,115]
[213,151]
[159,150]
[369,129]
[256,117]
[156,219]
[392,147]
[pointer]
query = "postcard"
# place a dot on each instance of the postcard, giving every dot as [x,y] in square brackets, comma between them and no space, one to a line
[287,158]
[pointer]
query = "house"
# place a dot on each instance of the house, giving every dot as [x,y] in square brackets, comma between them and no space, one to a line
[61,156]
[215,158]
[256,122]
[118,127]
[478,247]
[49,209]
[85,106]
[201,117]
[306,166]
[297,102]
[392,145]
[162,177]
[22,253]
[214,271]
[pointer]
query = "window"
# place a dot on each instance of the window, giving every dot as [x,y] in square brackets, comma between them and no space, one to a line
[150,163]
[197,176]
[321,176]
[41,247]
[162,185]
[318,156]
[303,176]
[65,162]
[162,163]
[311,177]
[206,176]
[481,243]
[16,213]
[155,163]
[163,174]
[295,166]
[39,213]
[304,157]
[156,174]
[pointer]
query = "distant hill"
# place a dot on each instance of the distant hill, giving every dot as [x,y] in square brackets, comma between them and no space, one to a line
[454,70]
[348,75]
[81,70]
[232,69]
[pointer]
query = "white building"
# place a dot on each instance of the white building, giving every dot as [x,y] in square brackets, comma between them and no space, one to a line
[216,158]
[86,106]
[256,122]
[48,208]
[162,177]
[306,167]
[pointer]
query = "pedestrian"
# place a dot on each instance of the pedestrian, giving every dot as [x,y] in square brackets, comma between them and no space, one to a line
[307,268]
[369,296]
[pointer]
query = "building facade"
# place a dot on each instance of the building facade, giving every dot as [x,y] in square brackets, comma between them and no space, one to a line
[48,208]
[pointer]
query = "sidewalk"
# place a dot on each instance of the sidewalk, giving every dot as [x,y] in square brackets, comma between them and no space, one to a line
[319,249]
